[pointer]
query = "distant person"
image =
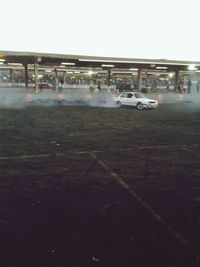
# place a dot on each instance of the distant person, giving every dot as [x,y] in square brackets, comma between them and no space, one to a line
[168,85]
[91,89]
[60,89]
[189,84]
[96,90]
[181,87]
[198,86]
[99,85]
[154,85]
[54,84]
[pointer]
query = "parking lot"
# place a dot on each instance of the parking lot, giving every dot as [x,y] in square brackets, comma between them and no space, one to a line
[94,186]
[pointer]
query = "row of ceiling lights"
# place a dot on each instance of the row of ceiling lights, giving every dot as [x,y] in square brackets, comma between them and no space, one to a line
[191,67]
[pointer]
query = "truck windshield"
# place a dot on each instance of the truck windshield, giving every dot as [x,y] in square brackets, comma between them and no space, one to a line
[138,95]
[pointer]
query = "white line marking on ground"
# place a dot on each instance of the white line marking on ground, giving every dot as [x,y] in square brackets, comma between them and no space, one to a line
[125,185]
[183,147]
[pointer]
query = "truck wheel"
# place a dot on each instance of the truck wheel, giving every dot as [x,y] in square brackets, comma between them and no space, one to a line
[119,103]
[139,106]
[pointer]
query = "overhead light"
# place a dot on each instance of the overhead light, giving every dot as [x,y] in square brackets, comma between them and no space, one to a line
[107,65]
[15,64]
[133,69]
[105,60]
[2,59]
[161,68]
[49,70]
[68,63]
[153,72]
[123,72]
[69,72]
[1,63]
[171,75]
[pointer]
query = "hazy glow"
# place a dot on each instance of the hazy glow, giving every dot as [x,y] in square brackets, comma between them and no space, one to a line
[167,29]
[90,72]
[192,67]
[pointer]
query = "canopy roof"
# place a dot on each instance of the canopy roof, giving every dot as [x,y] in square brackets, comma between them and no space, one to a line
[47,59]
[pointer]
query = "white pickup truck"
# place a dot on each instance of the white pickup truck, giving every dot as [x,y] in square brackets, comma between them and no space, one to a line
[135,99]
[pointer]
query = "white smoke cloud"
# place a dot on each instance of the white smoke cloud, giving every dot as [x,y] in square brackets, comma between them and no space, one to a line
[21,98]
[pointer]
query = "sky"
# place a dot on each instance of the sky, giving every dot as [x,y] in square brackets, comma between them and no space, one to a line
[154,29]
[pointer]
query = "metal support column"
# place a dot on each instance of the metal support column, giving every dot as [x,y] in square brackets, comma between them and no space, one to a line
[56,73]
[139,80]
[109,77]
[64,76]
[147,81]
[12,80]
[176,80]
[26,75]
[36,76]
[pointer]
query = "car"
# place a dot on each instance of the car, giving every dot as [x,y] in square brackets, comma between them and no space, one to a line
[45,85]
[136,99]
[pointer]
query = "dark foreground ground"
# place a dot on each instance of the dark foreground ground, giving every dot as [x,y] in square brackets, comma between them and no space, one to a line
[85,186]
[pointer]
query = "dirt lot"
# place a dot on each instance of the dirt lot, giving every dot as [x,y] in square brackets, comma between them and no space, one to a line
[87,186]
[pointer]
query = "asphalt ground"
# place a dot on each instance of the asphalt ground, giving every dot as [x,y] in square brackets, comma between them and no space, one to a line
[91,186]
